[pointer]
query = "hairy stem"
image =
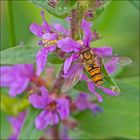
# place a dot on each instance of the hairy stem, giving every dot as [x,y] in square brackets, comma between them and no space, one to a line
[75,22]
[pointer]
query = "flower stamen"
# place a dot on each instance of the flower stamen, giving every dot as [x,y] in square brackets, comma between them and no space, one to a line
[51,106]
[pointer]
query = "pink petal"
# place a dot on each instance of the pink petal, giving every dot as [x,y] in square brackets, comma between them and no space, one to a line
[41,58]
[40,120]
[60,29]
[39,101]
[87,32]
[91,88]
[103,51]
[50,36]
[109,91]
[18,86]
[67,63]
[6,73]
[45,24]
[68,45]
[63,108]
[36,29]
[82,101]
[45,118]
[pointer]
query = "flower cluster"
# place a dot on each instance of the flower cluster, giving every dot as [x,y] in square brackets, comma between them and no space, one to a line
[56,107]
[53,108]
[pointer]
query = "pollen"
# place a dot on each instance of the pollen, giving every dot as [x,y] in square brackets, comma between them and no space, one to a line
[43,41]
[60,37]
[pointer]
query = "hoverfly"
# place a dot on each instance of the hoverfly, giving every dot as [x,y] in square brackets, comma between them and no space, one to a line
[92,64]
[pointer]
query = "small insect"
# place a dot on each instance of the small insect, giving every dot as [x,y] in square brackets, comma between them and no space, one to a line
[92,64]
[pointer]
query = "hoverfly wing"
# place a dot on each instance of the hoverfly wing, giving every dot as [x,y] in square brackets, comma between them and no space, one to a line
[118,61]
[72,79]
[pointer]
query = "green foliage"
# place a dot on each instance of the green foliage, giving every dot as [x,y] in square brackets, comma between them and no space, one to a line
[109,80]
[120,117]
[60,8]
[29,130]
[24,55]
[54,59]
[18,55]
[12,106]
[4,126]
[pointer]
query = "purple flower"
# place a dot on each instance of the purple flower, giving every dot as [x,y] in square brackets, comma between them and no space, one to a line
[71,63]
[83,102]
[16,77]
[69,45]
[53,109]
[16,123]
[49,37]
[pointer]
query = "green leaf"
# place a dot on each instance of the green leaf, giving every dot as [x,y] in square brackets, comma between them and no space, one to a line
[82,86]
[59,8]
[120,117]
[16,105]
[54,59]
[4,126]
[29,130]
[101,9]
[18,55]
[135,3]
[25,55]
[109,80]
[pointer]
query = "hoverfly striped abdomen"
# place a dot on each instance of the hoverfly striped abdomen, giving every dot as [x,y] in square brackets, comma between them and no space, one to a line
[91,66]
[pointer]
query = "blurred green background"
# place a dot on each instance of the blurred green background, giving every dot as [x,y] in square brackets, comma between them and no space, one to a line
[119,27]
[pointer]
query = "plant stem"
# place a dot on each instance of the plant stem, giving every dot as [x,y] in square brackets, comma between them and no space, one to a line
[58,83]
[75,22]
[55,132]
[11,23]
[75,27]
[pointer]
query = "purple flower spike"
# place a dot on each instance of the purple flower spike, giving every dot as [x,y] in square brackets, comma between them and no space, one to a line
[53,109]
[16,77]
[16,123]
[49,38]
